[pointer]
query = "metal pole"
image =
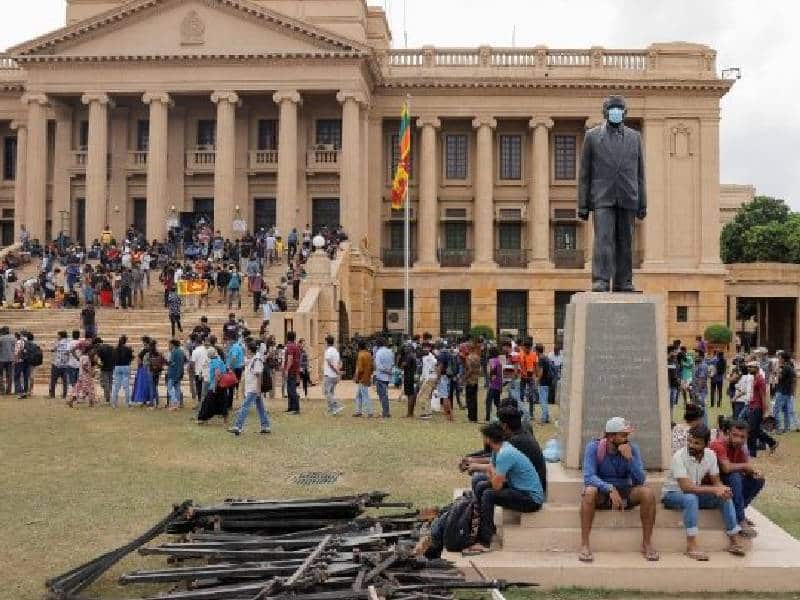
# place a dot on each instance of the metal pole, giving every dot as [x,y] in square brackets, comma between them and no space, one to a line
[407,236]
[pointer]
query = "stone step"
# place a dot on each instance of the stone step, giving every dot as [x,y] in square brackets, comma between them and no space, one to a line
[565,486]
[568,516]
[605,539]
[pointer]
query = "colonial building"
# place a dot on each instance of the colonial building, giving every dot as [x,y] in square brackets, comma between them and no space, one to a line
[286,112]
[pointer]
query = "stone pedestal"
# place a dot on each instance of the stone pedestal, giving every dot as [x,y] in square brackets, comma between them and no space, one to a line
[614,365]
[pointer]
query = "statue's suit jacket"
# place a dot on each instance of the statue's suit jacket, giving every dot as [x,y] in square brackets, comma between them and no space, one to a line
[612,175]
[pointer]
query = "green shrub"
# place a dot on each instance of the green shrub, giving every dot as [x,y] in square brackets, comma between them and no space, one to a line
[718,334]
[483,331]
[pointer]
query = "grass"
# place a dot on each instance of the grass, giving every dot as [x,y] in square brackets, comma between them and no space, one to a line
[76,483]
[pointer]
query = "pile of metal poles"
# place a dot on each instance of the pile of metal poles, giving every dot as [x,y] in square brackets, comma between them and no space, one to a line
[321,549]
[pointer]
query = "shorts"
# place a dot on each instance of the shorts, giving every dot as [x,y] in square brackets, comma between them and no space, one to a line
[603,500]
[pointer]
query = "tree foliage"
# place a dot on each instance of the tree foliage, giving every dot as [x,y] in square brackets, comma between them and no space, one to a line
[765,230]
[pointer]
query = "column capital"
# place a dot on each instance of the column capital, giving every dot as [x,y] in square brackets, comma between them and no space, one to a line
[592,122]
[225,96]
[344,95]
[281,96]
[539,121]
[34,98]
[162,97]
[99,97]
[484,120]
[428,121]
[17,124]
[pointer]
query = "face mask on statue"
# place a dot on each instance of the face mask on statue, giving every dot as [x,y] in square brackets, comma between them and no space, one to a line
[615,115]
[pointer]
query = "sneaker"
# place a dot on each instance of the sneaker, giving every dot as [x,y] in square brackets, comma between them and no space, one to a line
[295,413]
[426,417]
[357,415]
[234,431]
[265,431]
[337,411]
[774,448]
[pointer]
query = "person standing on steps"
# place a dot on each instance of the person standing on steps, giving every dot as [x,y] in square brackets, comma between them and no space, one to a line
[174,303]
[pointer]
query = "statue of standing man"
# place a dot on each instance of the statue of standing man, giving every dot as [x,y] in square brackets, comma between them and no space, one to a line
[612,186]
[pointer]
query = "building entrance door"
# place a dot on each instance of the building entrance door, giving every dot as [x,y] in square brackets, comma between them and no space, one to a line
[204,208]
[264,213]
[140,215]
[325,213]
[79,221]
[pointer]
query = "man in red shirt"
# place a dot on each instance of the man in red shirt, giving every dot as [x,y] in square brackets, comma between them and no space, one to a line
[736,470]
[757,408]
[291,372]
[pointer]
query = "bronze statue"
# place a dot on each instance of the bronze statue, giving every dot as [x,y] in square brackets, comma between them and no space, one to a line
[612,186]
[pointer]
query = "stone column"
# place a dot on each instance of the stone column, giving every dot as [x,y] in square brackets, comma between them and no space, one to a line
[287,200]
[118,204]
[483,215]
[62,154]
[709,192]
[349,171]
[588,226]
[654,224]
[20,178]
[97,164]
[539,193]
[427,219]
[375,179]
[34,216]
[225,162]
[157,196]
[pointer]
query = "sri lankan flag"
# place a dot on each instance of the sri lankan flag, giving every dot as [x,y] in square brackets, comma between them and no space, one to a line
[400,184]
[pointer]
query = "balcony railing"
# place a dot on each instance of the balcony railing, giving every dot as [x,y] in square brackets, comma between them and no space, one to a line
[567,259]
[455,258]
[323,161]
[79,160]
[516,258]
[200,161]
[262,161]
[396,257]
[137,160]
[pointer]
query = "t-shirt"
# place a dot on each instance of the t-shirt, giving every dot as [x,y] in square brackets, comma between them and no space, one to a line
[177,360]
[252,376]
[293,351]
[736,455]
[495,374]
[685,466]
[547,372]
[528,362]
[518,471]
[428,366]
[123,356]
[230,330]
[74,360]
[331,358]
[200,361]
[106,355]
[527,444]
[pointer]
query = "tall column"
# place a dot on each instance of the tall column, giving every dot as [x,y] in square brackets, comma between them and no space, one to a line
[118,146]
[375,179]
[62,153]
[225,162]
[97,164]
[157,196]
[709,192]
[483,215]
[34,216]
[349,170]
[588,226]
[654,228]
[427,219]
[287,200]
[20,177]
[539,190]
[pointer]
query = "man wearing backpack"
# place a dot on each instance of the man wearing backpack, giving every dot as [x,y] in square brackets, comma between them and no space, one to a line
[546,381]
[234,287]
[31,358]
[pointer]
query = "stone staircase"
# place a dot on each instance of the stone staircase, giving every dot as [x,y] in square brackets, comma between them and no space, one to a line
[543,548]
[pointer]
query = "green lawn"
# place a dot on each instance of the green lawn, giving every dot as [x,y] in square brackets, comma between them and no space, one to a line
[76,483]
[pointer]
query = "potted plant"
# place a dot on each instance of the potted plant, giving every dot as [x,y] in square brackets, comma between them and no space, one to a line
[718,337]
[483,331]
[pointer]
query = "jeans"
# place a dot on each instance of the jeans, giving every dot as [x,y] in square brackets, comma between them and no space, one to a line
[329,385]
[234,293]
[544,392]
[673,397]
[744,489]
[174,392]
[155,376]
[716,392]
[6,377]
[122,378]
[756,434]
[125,297]
[506,497]
[106,379]
[383,396]
[72,375]
[692,503]
[492,397]
[57,373]
[472,402]
[22,373]
[175,321]
[736,408]
[363,401]
[527,391]
[291,391]
[250,399]
[784,407]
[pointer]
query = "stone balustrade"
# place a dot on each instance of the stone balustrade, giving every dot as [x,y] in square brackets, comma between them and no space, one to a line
[262,161]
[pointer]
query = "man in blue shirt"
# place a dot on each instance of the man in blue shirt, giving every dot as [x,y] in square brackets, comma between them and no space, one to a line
[614,479]
[384,364]
[511,482]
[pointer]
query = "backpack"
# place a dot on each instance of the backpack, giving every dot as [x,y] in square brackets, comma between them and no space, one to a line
[11,276]
[450,369]
[32,354]
[461,523]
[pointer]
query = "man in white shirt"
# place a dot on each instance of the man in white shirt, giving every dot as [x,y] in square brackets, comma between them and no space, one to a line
[269,248]
[684,490]
[428,378]
[146,267]
[199,360]
[332,372]
[253,372]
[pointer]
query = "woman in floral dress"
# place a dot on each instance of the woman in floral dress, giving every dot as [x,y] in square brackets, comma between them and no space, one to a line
[84,387]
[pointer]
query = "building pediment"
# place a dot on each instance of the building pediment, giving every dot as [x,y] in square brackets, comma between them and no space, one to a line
[174,28]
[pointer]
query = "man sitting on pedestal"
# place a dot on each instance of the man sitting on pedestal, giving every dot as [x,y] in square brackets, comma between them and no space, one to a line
[614,479]
[738,473]
[684,489]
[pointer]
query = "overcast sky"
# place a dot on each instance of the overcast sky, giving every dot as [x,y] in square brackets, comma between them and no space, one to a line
[760,128]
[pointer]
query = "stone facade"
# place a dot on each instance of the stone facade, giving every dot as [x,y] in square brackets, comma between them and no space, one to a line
[283,111]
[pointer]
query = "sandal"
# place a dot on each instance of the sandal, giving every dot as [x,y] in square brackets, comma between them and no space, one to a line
[736,550]
[697,555]
[586,556]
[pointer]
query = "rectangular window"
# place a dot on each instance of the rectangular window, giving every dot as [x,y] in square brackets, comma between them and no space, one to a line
[9,158]
[509,236]
[566,237]
[83,136]
[454,312]
[143,135]
[565,153]
[394,152]
[207,133]
[267,134]
[329,133]
[397,236]
[511,157]
[455,236]
[512,313]
[456,156]
[682,315]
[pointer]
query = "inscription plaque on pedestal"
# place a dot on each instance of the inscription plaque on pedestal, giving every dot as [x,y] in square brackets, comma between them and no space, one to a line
[614,365]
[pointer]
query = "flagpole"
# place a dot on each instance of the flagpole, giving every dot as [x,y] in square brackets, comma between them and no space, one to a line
[407,233]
